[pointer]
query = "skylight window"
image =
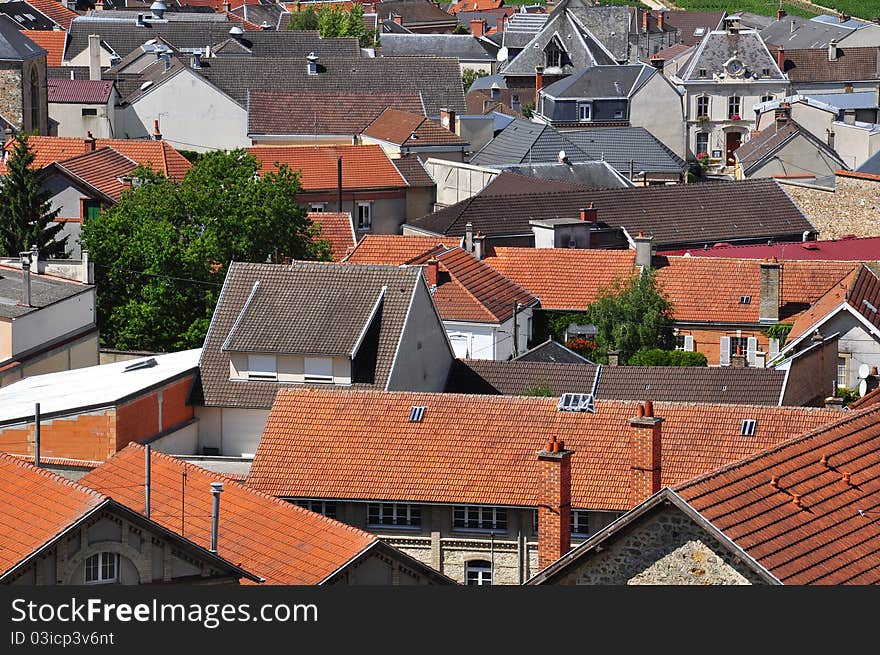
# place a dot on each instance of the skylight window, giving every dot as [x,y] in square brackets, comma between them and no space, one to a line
[869,306]
[146,363]
[745,300]
[576,402]
[417,413]
[700,31]
[748,427]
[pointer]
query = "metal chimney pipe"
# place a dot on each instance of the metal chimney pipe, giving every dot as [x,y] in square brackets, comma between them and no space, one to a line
[339,181]
[147,481]
[216,488]
[37,435]
[26,277]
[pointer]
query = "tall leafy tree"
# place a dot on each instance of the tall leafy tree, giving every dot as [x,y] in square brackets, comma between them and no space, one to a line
[163,251]
[26,214]
[303,20]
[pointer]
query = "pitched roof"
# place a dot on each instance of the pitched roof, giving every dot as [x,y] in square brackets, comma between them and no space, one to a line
[102,169]
[847,248]
[717,47]
[280,542]
[684,384]
[14,44]
[307,303]
[817,523]
[415,12]
[26,17]
[338,230]
[562,278]
[612,81]
[52,41]
[79,91]
[796,32]
[679,215]
[851,65]
[159,155]
[585,174]
[413,171]
[45,290]
[871,166]
[437,79]
[551,352]
[37,506]
[481,449]
[690,24]
[272,112]
[394,249]
[363,166]
[464,46]
[408,129]
[524,141]
[772,139]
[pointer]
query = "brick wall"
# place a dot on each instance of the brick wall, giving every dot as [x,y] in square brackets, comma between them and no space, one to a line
[708,340]
[174,408]
[852,208]
[645,455]
[84,436]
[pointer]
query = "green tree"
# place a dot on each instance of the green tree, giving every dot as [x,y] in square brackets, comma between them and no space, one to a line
[163,251]
[339,22]
[303,21]
[26,214]
[469,76]
[461,29]
[660,357]
[631,315]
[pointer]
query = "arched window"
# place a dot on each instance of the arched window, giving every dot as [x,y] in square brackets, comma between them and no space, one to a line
[35,100]
[478,572]
[102,568]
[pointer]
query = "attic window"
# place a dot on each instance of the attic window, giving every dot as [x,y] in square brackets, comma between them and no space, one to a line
[869,306]
[147,363]
[576,402]
[702,72]
[417,413]
[748,427]
[745,300]
[700,31]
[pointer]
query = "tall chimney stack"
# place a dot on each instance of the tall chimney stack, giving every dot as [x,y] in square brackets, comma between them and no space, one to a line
[539,82]
[157,135]
[645,454]
[478,27]
[25,278]
[769,308]
[554,508]
[644,247]
[216,489]
[469,237]
[832,50]
[447,119]
[780,58]
[432,270]
[94,56]
[479,245]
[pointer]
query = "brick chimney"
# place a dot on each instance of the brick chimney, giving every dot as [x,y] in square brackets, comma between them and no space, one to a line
[478,27]
[554,503]
[657,62]
[780,58]
[432,268]
[769,308]
[780,13]
[644,246]
[501,23]
[397,18]
[539,80]
[781,115]
[613,358]
[157,135]
[661,20]
[646,15]
[89,142]
[590,214]
[738,359]
[645,454]
[7,135]
[447,119]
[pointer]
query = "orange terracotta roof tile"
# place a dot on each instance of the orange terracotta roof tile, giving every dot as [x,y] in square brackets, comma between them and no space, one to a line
[157,154]
[52,41]
[338,230]
[363,167]
[54,10]
[832,299]
[807,510]
[278,541]
[394,249]
[481,449]
[35,507]
[103,169]
[563,278]
[860,289]
[408,129]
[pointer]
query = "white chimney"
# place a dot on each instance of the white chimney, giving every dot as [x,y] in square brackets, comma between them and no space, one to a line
[94,56]
[312,66]
[832,50]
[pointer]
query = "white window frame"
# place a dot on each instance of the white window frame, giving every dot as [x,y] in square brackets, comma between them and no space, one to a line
[315,369]
[580,518]
[480,570]
[475,518]
[101,561]
[317,207]
[326,508]
[734,101]
[401,515]
[699,135]
[847,360]
[700,100]
[262,367]
[581,107]
[362,224]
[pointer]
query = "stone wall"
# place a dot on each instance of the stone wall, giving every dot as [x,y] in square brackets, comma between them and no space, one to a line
[10,94]
[853,207]
[663,547]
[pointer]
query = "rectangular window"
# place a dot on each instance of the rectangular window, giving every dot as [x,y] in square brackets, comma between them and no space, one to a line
[324,507]
[842,371]
[584,112]
[91,209]
[89,111]
[679,342]
[262,367]
[702,142]
[102,568]
[396,514]
[741,342]
[733,107]
[580,523]
[318,369]
[478,573]
[365,215]
[478,517]
[703,106]
[702,72]
[318,207]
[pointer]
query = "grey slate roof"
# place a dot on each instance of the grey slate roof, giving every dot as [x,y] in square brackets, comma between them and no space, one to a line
[718,47]
[602,82]
[691,384]
[524,141]
[675,215]
[552,352]
[589,174]
[15,46]
[754,152]
[307,307]
[415,12]
[390,27]
[795,32]
[44,291]
[620,145]
[754,21]
[610,25]
[123,35]
[871,165]
[437,79]
[26,16]
[463,46]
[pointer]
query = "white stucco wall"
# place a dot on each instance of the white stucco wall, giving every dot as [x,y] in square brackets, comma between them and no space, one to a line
[488,340]
[36,328]
[234,431]
[71,121]
[659,108]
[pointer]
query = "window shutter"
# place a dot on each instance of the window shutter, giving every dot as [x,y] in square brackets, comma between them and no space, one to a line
[751,349]
[774,348]
[724,359]
[688,342]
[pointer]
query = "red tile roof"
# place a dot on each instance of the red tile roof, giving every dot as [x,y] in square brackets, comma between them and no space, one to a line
[103,169]
[52,41]
[474,5]
[860,288]
[79,91]
[408,129]
[481,449]
[278,541]
[35,507]
[808,510]
[394,249]
[843,249]
[54,10]
[563,278]
[157,154]
[363,167]
[338,230]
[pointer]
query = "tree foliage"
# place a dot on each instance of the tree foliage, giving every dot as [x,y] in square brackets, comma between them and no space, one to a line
[332,21]
[163,251]
[469,76]
[26,214]
[660,357]
[303,20]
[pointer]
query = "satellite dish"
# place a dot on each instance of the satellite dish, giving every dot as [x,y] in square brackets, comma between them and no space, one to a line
[863,387]
[864,371]
[503,54]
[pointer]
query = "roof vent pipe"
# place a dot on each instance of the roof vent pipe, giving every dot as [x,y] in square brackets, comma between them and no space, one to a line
[216,489]
[312,66]
[25,277]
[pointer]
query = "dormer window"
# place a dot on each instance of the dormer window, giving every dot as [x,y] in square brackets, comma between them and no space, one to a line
[702,73]
[318,369]
[262,367]
[584,112]
[554,55]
